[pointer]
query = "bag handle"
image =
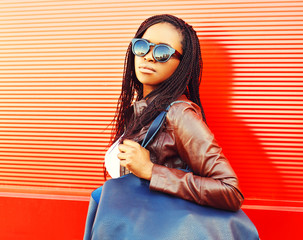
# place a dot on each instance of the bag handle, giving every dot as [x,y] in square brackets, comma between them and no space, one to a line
[156,124]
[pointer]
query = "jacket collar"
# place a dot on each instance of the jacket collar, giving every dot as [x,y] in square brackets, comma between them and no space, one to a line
[139,106]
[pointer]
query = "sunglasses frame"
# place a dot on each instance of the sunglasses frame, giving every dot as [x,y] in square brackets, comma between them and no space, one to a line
[172,51]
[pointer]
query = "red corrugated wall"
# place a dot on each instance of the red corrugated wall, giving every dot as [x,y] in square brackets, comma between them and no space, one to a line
[60,75]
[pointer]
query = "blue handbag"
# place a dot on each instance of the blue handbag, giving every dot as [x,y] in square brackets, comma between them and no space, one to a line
[128,209]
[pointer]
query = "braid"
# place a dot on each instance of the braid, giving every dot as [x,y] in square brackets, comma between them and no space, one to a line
[185,80]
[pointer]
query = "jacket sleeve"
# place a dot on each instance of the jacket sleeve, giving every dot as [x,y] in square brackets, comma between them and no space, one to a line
[213,181]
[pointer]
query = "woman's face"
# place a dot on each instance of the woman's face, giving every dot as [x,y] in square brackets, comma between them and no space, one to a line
[150,72]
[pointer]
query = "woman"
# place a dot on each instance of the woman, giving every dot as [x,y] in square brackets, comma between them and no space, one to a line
[162,68]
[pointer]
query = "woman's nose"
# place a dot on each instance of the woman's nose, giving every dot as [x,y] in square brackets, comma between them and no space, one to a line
[149,57]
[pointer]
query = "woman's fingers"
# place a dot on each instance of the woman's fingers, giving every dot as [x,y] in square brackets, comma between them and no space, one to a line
[135,158]
[123,159]
[130,143]
[129,146]
[123,163]
[122,156]
[122,147]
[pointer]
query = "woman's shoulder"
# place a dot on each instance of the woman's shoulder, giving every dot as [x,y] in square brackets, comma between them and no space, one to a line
[185,117]
[183,103]
[184,109]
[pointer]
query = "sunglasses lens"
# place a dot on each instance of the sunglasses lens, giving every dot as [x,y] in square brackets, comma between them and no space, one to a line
[141,48]
[162,53]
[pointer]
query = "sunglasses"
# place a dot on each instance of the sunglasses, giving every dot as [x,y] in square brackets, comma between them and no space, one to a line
[161,52]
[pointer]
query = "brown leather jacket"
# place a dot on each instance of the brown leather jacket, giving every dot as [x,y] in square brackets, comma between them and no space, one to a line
[185,140]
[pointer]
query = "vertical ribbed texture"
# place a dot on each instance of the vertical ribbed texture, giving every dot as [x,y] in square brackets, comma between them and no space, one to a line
[61,67]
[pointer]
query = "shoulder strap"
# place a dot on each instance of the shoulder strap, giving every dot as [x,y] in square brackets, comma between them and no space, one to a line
[154,128]
[156,124]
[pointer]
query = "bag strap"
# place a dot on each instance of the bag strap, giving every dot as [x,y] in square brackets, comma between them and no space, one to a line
[154,128]
[156,124]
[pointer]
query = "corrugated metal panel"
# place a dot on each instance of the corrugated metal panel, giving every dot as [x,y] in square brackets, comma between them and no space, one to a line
[253,96]
[61,67]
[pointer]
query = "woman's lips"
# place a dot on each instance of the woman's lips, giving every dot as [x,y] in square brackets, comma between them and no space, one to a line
[146,69]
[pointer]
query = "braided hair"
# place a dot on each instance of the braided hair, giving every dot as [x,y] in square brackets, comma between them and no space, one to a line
[185,80]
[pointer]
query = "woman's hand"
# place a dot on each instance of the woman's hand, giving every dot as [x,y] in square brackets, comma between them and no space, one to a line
[136,159]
